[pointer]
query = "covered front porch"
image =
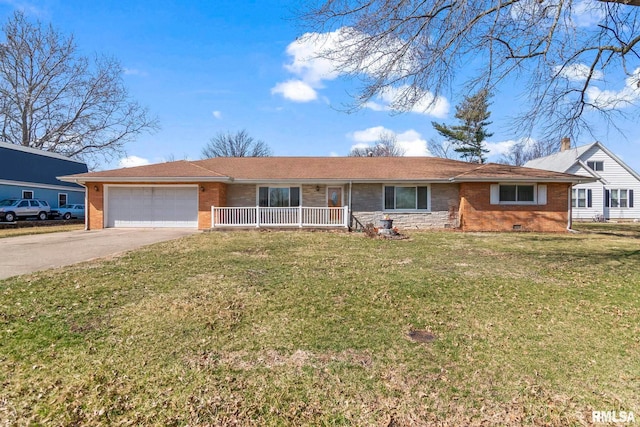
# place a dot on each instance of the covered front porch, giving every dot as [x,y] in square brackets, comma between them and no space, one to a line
[299,216]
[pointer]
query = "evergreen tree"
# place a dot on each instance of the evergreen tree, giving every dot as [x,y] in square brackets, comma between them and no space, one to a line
[468,137]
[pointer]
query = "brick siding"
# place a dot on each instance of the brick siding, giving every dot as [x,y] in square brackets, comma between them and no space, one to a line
[214,194]
[95,198]
[478,214]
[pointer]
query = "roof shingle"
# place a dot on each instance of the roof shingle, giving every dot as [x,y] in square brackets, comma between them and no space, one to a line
[355,169]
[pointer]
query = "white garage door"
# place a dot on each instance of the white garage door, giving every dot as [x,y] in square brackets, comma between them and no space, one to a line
[152,207]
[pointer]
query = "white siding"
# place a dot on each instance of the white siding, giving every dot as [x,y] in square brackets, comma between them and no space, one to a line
[614,176]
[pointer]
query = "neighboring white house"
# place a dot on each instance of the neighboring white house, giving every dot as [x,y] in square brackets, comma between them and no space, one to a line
[611,196]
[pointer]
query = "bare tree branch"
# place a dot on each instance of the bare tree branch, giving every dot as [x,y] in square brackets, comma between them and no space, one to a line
[239,144]
[53,99]
[385,146]
[443,149]
[420,48]
[523,151]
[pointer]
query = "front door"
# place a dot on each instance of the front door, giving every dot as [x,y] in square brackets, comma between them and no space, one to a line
[334,200]
[334,197]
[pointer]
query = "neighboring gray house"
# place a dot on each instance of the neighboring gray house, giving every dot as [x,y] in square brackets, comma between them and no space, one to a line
[611,196]
[31,174]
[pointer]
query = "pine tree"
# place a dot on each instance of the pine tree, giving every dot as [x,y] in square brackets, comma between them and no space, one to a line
[468,137]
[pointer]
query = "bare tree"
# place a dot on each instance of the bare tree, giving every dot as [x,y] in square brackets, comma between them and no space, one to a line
[386,146]
[523,151]
[443,149]
[54,99]
[420,50]
[239,144]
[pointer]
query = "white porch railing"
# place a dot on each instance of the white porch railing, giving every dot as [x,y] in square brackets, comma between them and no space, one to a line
[279,217]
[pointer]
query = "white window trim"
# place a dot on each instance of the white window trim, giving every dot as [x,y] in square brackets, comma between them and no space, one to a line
[405,184]
[539,194]
[595,163]
[574,192]
[269,186]
[33,194]
[619,189]
[65,195]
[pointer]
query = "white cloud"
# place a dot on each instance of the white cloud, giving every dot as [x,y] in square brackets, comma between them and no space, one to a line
[577,72]
[410,140]
[369,135]
[309,66]
[588,13]
[295,90]
[392,100]
[307,57]
[134,72]
[413,143]
[131,161]
[217,114]
[318,57]
[26,6]
[610,99]
[497,149]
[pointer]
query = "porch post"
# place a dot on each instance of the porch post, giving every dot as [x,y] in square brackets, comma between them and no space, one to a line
[300,216]
[213,222]
[258,216]
[345,219]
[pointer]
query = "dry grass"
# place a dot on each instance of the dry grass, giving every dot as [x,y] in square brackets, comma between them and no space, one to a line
[284,328]
[12,232]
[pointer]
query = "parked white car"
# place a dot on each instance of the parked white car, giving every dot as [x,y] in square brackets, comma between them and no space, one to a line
[12,209]
[70,211]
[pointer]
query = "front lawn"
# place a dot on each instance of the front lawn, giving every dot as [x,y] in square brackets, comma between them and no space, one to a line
[296,328]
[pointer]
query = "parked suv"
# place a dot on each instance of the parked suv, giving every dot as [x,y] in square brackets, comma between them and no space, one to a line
[11,209]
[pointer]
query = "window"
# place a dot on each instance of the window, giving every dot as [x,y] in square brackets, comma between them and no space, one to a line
[517,193]
[23,204]
[581,198]
[406,198]
[618,198]
[596,166]
[27,194]
[276,197]
[62,199]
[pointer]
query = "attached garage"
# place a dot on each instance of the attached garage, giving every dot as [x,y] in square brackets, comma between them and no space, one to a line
[151,206]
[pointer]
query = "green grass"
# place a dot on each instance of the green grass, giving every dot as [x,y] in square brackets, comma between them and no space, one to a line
[24,231]
[286,328]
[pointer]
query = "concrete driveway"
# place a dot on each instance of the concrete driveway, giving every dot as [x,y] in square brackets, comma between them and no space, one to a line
[26,254]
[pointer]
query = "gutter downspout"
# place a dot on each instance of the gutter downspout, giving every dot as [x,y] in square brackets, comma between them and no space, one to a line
[86,206]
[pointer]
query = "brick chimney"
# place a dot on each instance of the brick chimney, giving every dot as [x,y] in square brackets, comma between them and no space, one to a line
[565,144]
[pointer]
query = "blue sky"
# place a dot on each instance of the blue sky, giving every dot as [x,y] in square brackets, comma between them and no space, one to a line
[205,67]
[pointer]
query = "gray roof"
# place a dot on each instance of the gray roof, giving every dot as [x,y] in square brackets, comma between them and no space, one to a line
[28,165]
[559,162]
[562,161]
